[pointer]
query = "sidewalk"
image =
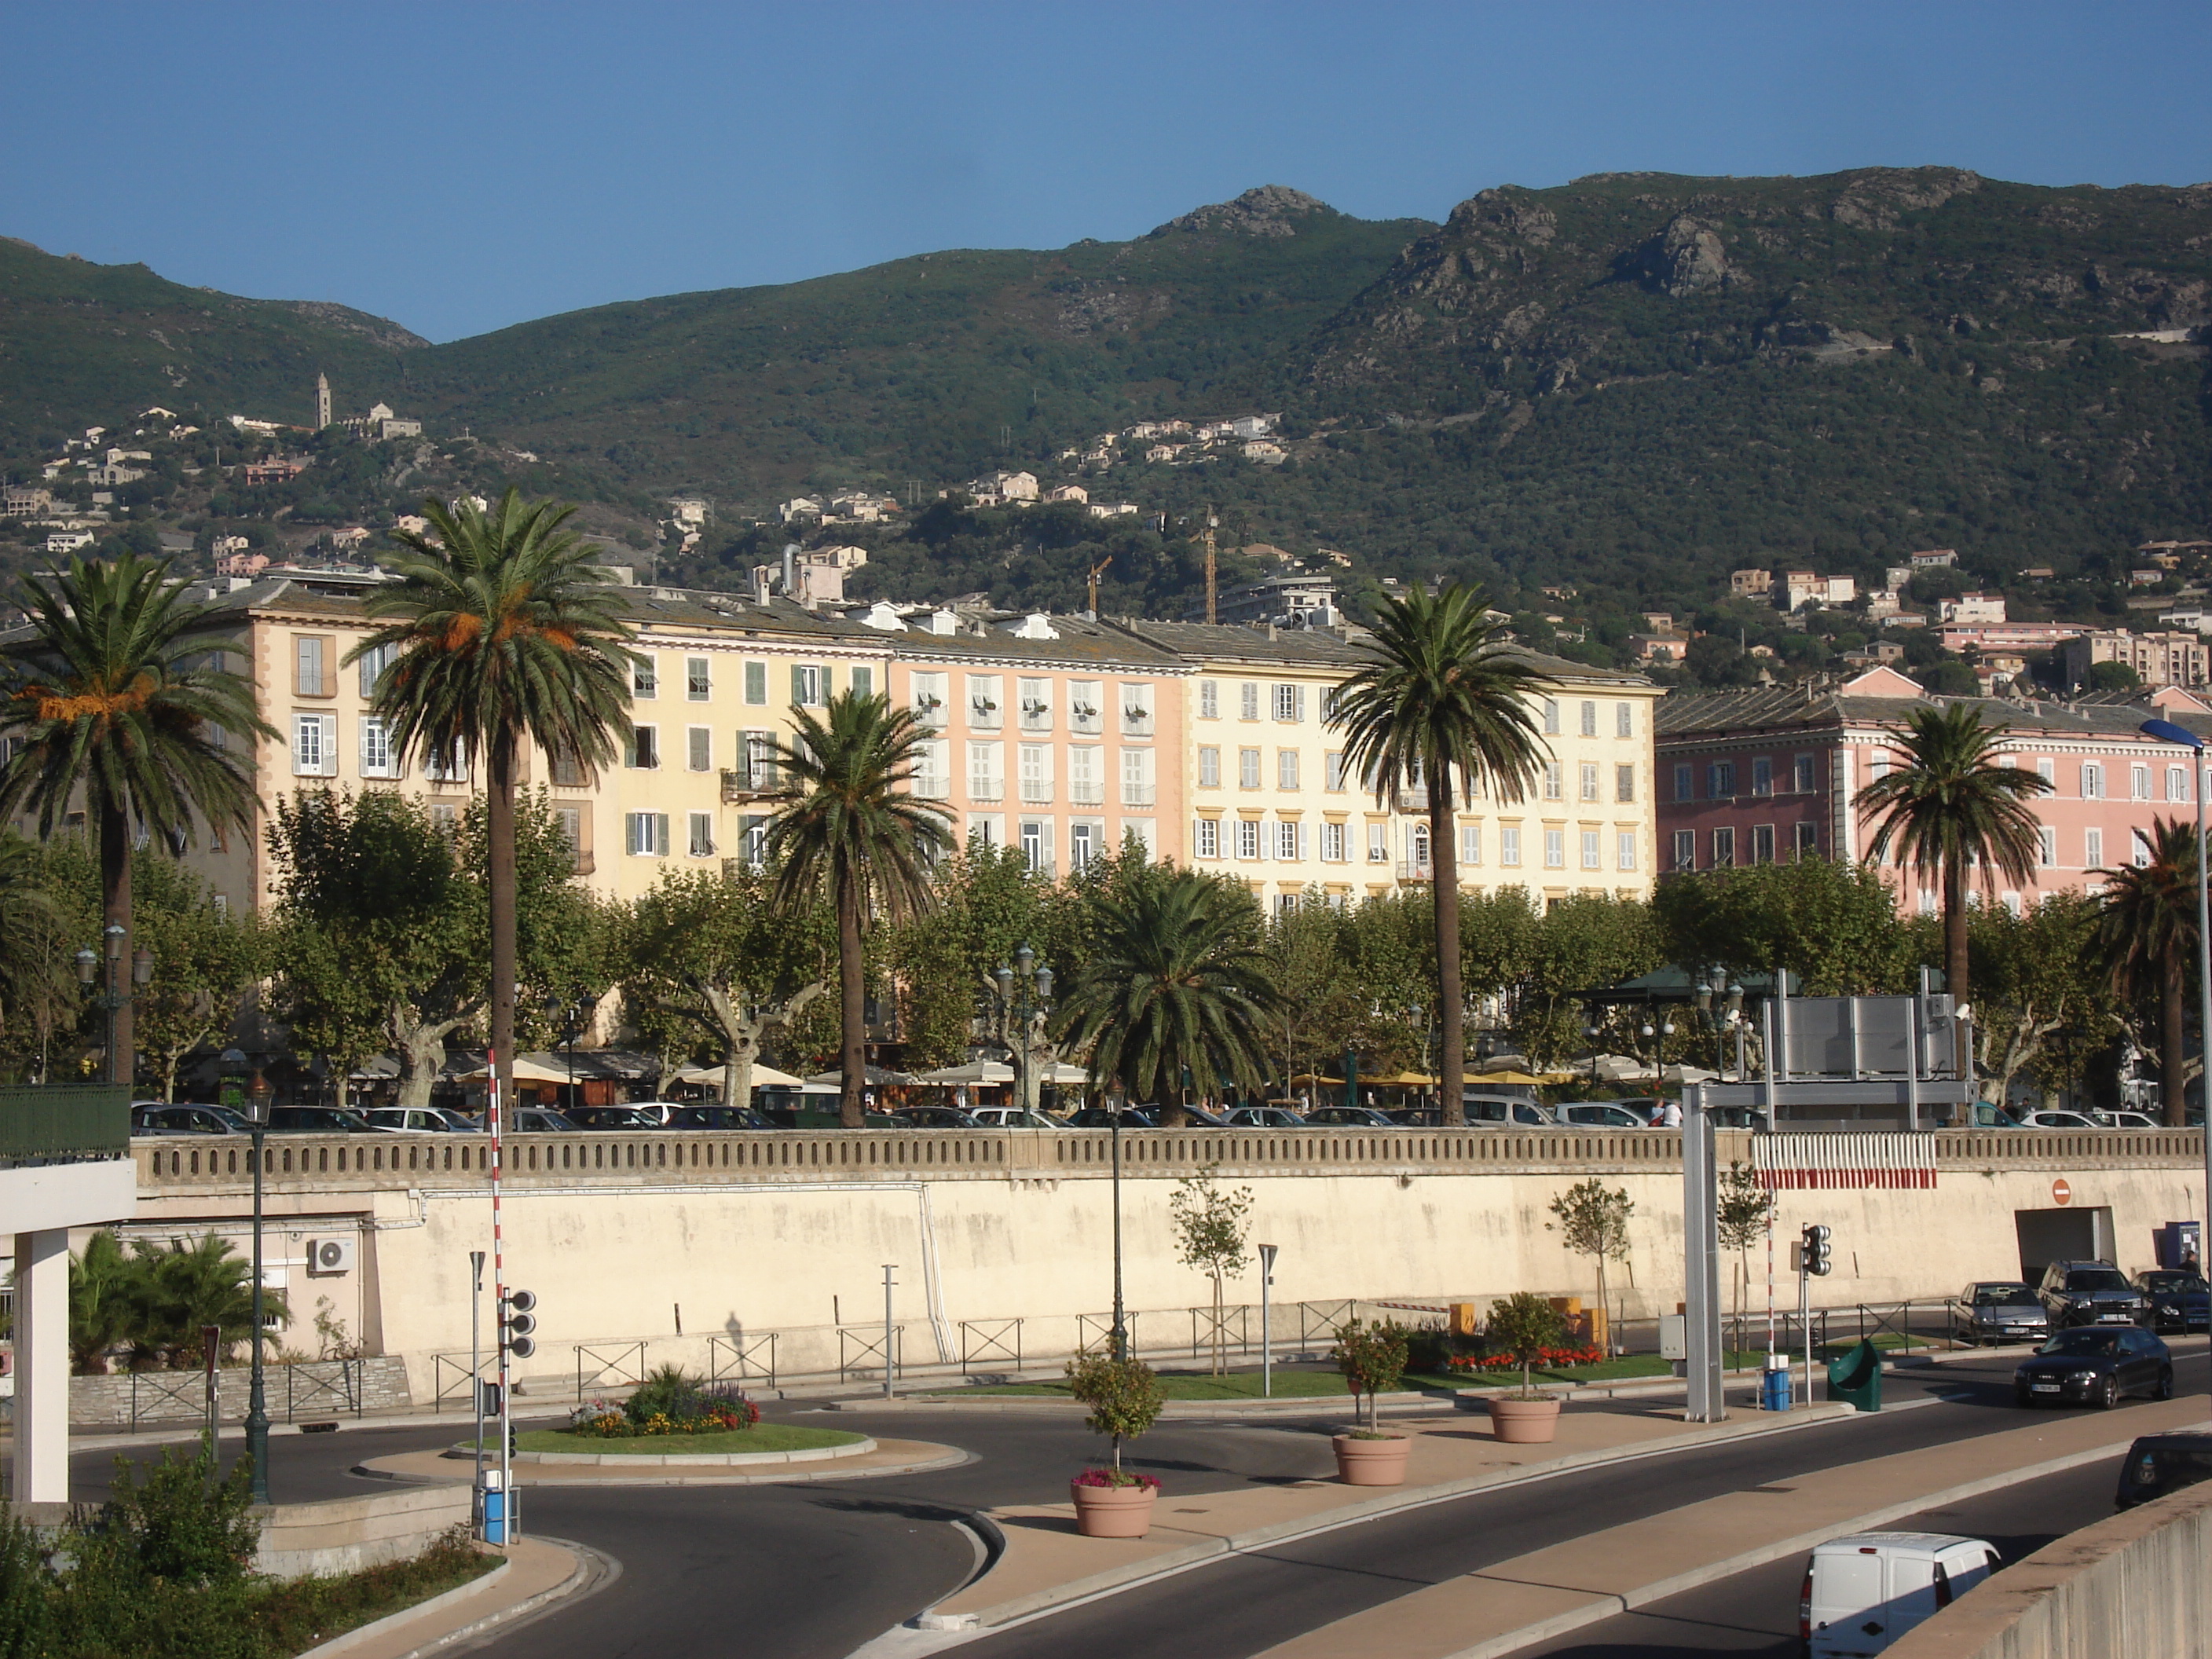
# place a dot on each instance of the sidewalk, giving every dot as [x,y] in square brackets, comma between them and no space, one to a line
[888,1457]
[1044,1563]
[1549,1593]
[537,1572]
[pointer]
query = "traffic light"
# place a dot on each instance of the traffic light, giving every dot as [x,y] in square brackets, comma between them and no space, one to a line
[516,1321]
[1818,1261]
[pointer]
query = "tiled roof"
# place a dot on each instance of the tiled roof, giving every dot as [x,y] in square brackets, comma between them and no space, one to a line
[1793,709]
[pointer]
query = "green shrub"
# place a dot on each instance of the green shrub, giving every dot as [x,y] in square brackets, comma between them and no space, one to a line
[1123,1394]
[1523,1325]
[1372,1359]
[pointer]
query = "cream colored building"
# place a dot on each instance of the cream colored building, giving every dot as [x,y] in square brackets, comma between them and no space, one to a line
[1272,800]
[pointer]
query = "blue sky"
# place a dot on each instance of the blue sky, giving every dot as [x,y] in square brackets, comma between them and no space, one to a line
[462,166]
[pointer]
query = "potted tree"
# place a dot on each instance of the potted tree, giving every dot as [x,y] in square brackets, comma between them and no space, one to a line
[1124,1397]
[1372,1359]
[1523,1325]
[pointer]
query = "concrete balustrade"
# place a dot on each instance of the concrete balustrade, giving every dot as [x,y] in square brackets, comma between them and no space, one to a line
[356,1162]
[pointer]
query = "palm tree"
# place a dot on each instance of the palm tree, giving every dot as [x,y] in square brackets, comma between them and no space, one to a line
[1443,695]
[123,710]
[848,826]
[501,632]
[1177,986]
[2147,926]
[1952,807]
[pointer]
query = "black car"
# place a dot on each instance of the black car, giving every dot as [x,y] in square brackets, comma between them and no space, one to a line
[2091,1293]
[716,1117]
[2160,1463]
[2001,1311]
[316,1121]
[612,1117]
[1350,1117]
[2095,1367]
[938,1117]
[179,1121]
[1130,1117]
[2179,1301]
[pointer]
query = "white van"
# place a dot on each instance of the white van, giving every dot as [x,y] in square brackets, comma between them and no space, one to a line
[1863,1592]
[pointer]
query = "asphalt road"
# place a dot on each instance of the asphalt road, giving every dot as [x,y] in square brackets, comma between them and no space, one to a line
[1755,1612]
[812,1570]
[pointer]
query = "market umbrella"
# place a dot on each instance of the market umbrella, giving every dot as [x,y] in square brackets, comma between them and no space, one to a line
[875,1076]
[526,1071]
[764,1077]
[1524,1079]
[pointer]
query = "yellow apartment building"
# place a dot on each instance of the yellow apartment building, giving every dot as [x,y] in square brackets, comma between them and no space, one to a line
[1055,735]
[1270,799]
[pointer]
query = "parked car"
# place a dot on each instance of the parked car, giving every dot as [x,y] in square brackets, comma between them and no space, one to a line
[542,1121]
[939,1117]
[1193,1117]
[2095,1367]
[316,1121]
[2091,1293]
[162,1119]
[2001,1311]
[1486,1109]
[1598,1115]
[2160,1463]
[1349,1117]
[2051,1119]
[2179,1301]
[410,1119]
[1017,1117]
[1740,1117]
[1266,1117]
[1129,1117]
[1863,1592]
[612,1117]
[2127,1121]
[714,1116]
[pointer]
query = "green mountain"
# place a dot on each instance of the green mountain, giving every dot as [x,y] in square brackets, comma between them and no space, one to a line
[1631,382]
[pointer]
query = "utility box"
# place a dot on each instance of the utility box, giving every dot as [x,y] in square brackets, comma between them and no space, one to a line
[1464,1320]
[1673,1336]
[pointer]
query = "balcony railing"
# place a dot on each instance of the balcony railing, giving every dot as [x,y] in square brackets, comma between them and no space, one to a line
[1415,870]
[64,1123]
[1137,722]
[1038,792]
[931,787]
[744,783]
[1138,794]
[986,789]
[1083,793]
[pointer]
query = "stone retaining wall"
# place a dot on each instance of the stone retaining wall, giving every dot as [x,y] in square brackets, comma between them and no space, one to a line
[313,1390]
[345,1534]
[2135,1584]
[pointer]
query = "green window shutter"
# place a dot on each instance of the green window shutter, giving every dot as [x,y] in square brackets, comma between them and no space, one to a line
[797,685]
[863,680]
[757,682]
[660,836]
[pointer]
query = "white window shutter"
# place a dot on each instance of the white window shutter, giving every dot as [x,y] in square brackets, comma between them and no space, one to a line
[1304,834]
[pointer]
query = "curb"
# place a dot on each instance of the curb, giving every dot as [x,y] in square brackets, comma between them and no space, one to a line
[859,1448]
[588,1568]
[1390,1503]
[1713,1572]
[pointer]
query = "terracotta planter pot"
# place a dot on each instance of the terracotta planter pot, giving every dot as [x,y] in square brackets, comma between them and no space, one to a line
[1113,1512]
[1524,1422]
[1372,1463]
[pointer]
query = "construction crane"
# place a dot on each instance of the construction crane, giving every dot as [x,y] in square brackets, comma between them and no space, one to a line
[1096,571]
[1211,609]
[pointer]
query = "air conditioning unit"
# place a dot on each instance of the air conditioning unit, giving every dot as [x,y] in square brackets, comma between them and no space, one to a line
[330,1255]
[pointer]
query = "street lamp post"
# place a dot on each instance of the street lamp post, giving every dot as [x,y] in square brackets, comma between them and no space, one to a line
[106,967]
[2167,732]
[256,1400]
[1119,1337]
[1021,999]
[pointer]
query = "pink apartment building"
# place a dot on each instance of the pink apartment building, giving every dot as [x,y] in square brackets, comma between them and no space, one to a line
[1751,777]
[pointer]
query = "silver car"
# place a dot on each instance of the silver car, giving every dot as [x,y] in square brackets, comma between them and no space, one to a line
[1598,1115]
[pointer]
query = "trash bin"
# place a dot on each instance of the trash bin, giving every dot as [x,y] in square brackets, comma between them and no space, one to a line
[493,1502]
[1774,1394]
[1857,1377]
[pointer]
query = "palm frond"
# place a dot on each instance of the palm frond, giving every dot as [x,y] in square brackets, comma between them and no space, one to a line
[848,821]
[1952,806]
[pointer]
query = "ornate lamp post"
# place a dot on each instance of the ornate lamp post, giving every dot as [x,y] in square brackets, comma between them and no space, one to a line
[574,1017]
[1021,999]
[258,1099]
[113,998]
[1720,1000]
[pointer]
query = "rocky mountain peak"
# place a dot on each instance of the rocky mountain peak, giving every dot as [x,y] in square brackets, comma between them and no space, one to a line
[1267,212]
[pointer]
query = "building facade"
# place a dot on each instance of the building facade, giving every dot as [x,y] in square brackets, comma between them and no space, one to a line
[1758,777]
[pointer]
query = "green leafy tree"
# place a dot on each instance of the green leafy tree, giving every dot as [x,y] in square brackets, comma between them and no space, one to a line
[1443,705]
[102,1311]
[118,706]
[1951,808]
[1123,1394]
[1593,1221]
[1308,962]
[38,992]
[1832,923]
[2038,976]
[501,632]
[1580,943]
[1211,1227]
[1523,1325]
[987,903]
[711,956]
[1175,988]
[850,830]
[1372,1359]
[1744,1211]
[2148,929]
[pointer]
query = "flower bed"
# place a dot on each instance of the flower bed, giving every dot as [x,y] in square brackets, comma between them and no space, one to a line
[666,1403]
[1110,1477]
[1547,1359]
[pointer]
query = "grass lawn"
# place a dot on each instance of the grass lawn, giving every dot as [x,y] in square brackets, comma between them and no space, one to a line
[760,1437]
[1627,1369]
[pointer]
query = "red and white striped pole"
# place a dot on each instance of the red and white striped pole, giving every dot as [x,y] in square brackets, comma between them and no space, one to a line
[499,1302]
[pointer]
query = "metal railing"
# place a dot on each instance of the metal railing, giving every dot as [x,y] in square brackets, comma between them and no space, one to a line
[329,1384]
[990,1340]
[619,1366]
[450,1376]
[863,1350]
[739,1357]
[1094,1333]
[1232,1325]
[64,1123]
